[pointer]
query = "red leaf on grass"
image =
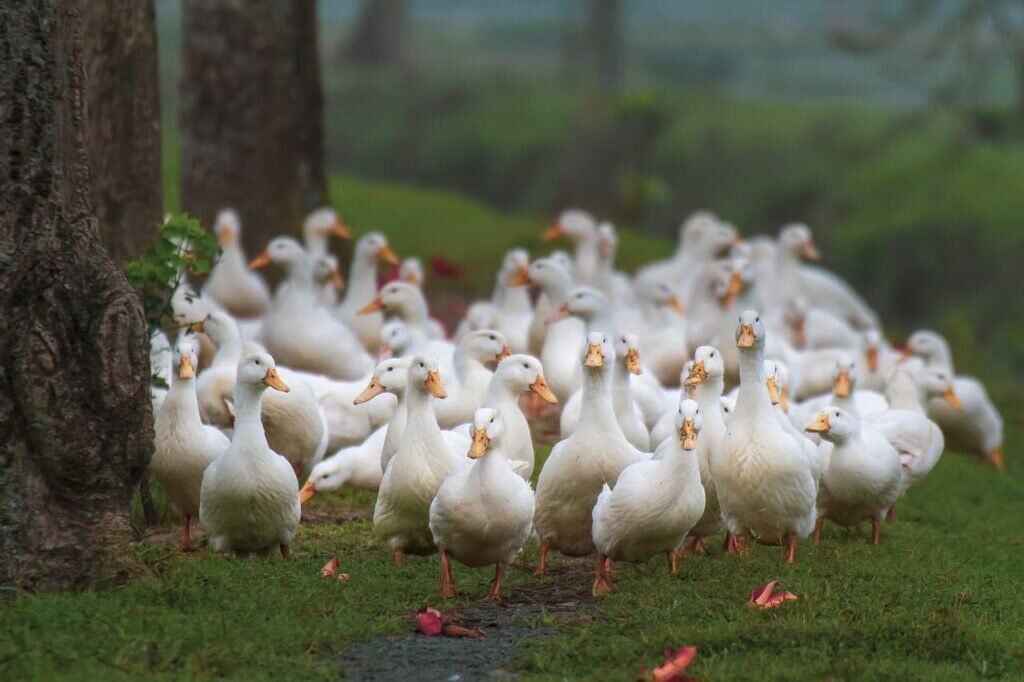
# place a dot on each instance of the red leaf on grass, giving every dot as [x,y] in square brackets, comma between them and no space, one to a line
[766,597]
[779,597]
[456,630]
[428,621]
[671,669]
[444,268]
[330,568]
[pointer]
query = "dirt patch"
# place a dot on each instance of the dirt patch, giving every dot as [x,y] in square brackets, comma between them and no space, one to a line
[526,614]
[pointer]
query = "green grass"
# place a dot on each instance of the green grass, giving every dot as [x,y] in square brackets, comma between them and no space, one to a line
[939,599]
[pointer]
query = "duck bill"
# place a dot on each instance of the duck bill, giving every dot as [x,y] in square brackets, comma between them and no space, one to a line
[633,361]
[340,229]
[784,399]
[412,279]
[595,358]
[675,305]
[950,397]
[479,445]
[688,435]
[196,327]
[733,288]
[841,387]
[746,339]
[520,278]
[505,352]
[376,305]
[809,251]
[225,236]
[553,232]
[698,375]
[905,355]
[307,491]
[773,390]
[260,261]
[872,359]
[819,425]
[434,385]
[336,281]
[560,314]
[185,368]
[274,381]
[387,255]
[372,390]
[540,387]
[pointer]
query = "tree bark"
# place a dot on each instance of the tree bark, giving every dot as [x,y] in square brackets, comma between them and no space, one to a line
[75,422]
[251,114]
[123,117]
[379,36]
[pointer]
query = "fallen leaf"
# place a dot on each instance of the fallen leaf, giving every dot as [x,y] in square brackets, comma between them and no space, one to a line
[428,621]
[342,577]
[766,597]
[456,630]
[671,669]
[444,268]
[330,568]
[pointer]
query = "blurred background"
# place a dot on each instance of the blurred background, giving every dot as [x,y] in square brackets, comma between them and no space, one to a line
[895,129]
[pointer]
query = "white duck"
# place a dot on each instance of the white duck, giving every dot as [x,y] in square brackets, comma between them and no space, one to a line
[318,228]
[231,284]
[249,501]
[564,337]
[297,331]
[472,376]
[862,479]
[767,485]
[654,503]
[579,228]
[627,362]
[389,377]
[580,466]
[357,466]
[977,426]
[327,281]
[183,445]
[512,302]
[515,375]
[403,301]
[362,287]
[483,511]
[412,478]
[614,284]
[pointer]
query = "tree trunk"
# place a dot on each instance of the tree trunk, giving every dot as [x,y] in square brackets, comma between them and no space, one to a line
[75,423]
[379,36]
[251,114]
[123,117]
[606,43]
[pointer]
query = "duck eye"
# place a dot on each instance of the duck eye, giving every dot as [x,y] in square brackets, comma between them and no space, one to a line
[526,366]
[421,365]
[257,361]
[391,369]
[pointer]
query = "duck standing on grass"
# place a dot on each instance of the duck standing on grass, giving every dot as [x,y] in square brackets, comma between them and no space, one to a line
[654,504]
[249,501]
[483,511]
[184,446]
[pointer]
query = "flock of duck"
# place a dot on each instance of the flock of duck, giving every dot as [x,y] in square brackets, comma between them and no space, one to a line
[732,387]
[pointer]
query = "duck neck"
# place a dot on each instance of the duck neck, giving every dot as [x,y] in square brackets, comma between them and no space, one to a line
[596,410]
[247,409]
[557,288]
[622,389]
[316,244]
[709,400]
[181,396]
[753,396]
[599,321]
[902,393]
[501,395]
[419,407]
[362,281]
[847,403]
[229,350]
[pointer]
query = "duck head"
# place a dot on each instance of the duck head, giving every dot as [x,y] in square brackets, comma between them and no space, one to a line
[522,373]
[834,425]
[936,382]
[395,338]
[797,239]
[844,378]
[396,298]
[325,270]
[607,241]
[689,390]
[707,364]
[873,342]
[586,303]
[411,272]
[186,358]
[485,345]
[218,325]
[627,347]
[750,331]
[776,378]
[574,224]
[735,275]
[487,426]
[423,371]
[322,223]
[927,345]
[372,247]
[688,423]
[599,351]
[284,252]
[227,227]
[259,371]
[389,376]
[546,272]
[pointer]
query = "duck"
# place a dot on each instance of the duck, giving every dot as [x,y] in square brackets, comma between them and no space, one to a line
[297,331]
[514,376]
[659,319]
[627,362]
[976,427]
[878,361]
[563,337]
[183,445]
[862,479]
[357,466]
[589,305]
[580,465]
[767,485]
[389,377]
[580,228]
[707,378]
[403,301]
[249,499]
[614,284]
[231,284]
[362,287]
[653,505]
[161,367]
[472,376]
[294,423]
[483,511]
[411,272]
[810,327]
[317,229]
[512,302]
[412,477]
[327,281]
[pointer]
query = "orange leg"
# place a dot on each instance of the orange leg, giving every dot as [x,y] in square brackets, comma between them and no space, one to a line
[286,551]
[695,545]
[890,516]
[186,536]
[447,580]
[995,460]
[876,531]
[542,564]
[396,556]
[601,582]
[671,556]
[817,530]
[790,548]
[732,545]
[495,593]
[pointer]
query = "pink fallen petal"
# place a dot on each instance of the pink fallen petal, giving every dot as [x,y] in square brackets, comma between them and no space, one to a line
[761,594]
[779,597]
[675,662]
[330,568]
[342,577]
[428,621]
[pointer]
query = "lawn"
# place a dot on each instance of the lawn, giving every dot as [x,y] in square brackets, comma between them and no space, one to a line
[938,600]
